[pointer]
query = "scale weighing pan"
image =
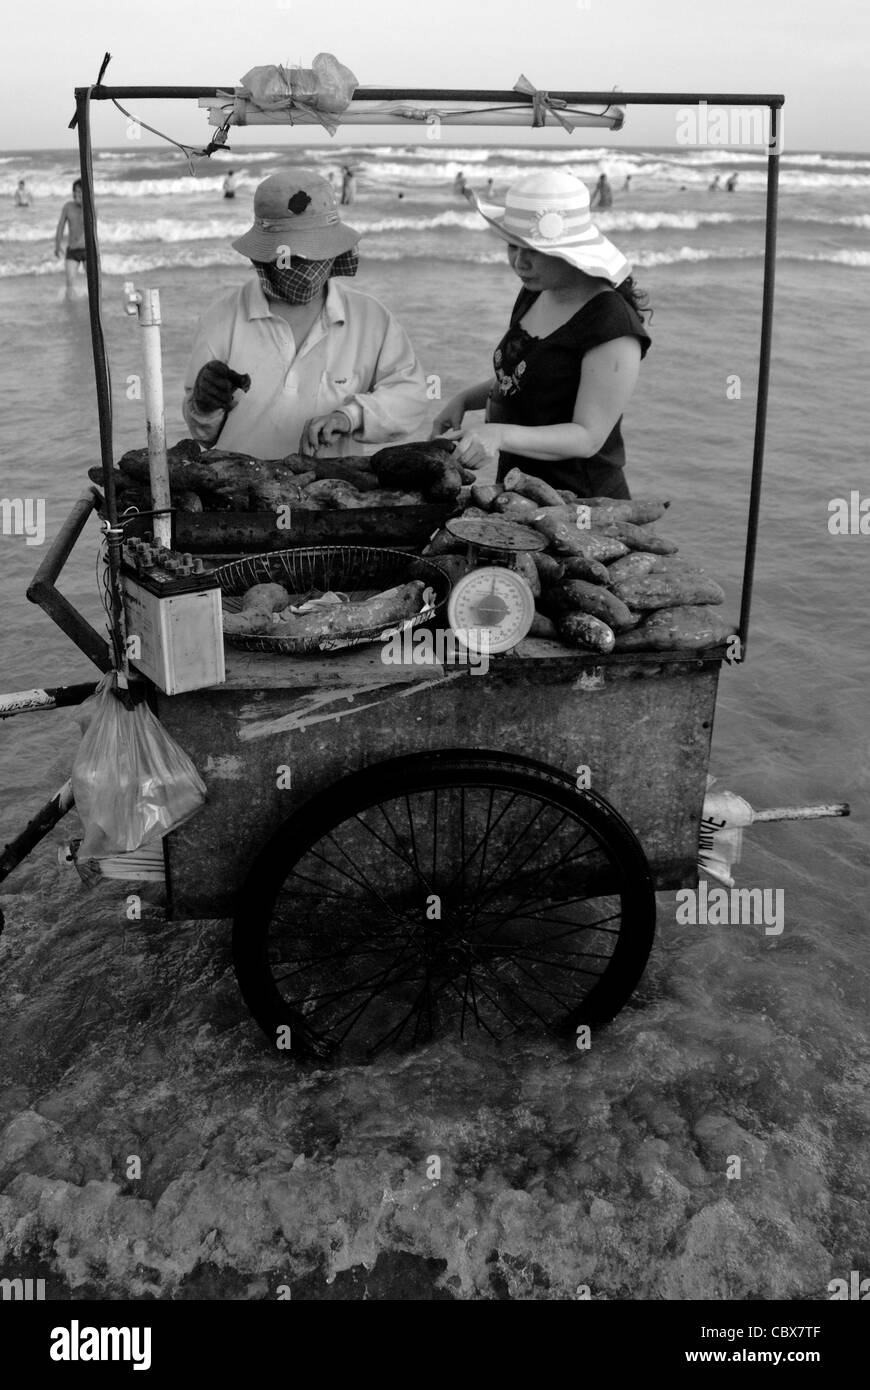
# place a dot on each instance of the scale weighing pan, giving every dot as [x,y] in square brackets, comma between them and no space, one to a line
[495,533]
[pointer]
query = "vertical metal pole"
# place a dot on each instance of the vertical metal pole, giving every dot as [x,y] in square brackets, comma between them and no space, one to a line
[101,368]
[149,318]
[763,378]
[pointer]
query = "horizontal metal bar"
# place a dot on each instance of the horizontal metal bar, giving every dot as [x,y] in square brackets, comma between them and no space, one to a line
[614,98]
[774,813]
[51,697]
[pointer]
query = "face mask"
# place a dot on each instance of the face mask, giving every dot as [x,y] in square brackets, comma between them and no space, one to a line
[304,281]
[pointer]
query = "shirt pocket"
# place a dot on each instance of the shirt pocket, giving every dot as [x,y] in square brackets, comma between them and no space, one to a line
[338,386]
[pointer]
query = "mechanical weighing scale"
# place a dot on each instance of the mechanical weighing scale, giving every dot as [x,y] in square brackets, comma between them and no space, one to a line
[492,607]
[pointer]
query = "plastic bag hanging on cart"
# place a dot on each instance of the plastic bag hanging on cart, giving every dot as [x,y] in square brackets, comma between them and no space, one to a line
[723,819]
[131,780]
[325,89]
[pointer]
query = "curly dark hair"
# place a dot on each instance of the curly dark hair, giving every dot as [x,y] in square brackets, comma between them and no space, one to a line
[635,297]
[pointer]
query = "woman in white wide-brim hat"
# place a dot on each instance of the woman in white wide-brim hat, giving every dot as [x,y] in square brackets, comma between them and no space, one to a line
[566,368]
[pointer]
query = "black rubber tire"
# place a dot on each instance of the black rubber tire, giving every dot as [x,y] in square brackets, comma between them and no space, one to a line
[273,912]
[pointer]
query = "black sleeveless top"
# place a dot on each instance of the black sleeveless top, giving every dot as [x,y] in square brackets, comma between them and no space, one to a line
[537,380]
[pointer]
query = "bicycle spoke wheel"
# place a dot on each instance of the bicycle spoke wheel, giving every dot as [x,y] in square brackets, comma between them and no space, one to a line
[464,893]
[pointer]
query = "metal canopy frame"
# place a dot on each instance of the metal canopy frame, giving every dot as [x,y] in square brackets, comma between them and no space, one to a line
[81,120]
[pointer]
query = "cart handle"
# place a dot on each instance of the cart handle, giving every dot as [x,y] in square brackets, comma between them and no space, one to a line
[43,586]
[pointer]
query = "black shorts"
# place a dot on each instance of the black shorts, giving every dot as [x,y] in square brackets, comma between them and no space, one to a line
[75,253]
[229,195]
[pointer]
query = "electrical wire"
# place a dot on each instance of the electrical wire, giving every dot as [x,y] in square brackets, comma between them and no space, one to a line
[190,152]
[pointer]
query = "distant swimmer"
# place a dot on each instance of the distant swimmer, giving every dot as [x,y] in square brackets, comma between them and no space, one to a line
[626,187]
[230,184]
[348,186]
[22,195]
[602,196]
[714,186]
[731,184]
[460,184]
[490,186]
[72,218]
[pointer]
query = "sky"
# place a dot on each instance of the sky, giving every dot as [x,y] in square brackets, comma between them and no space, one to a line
[816,54]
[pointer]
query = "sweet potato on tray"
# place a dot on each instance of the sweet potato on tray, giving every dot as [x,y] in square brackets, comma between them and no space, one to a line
[549,569]
[578,596]
[543,626]
[639,537]
[534,488]
[484,494]
[426,466]
[667,591]
[576,567]
[674,629]
[342,619]
[513,506]
[633,566]
[565,539]
[582,630]
[640,510]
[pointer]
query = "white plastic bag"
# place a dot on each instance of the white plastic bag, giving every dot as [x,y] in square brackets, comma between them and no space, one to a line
[723,820]
[327,86]
[131,781]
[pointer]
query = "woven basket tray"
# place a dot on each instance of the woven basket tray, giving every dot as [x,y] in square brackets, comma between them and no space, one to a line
[356,570]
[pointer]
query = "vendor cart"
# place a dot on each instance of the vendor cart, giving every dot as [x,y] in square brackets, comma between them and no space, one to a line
[412,847]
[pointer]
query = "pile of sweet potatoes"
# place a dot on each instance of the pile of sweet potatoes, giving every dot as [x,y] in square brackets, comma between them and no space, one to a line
[606,579]
[217,480]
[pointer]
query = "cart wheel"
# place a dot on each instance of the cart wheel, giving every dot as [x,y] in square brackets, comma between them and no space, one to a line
[450,891]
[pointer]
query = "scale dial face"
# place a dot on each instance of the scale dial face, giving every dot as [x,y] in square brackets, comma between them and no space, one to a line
[491,609]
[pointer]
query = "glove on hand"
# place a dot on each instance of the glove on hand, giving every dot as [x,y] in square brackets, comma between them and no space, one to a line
[215,384]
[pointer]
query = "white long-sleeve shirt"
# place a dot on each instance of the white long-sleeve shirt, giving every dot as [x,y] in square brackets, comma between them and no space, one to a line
[355,356]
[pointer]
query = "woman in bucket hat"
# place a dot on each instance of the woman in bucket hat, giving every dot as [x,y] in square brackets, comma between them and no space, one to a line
[331,371]
[566,368]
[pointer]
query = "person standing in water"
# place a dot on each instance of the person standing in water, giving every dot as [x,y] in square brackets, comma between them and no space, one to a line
[22,195]
[230,184]
[714,186]
[731,184]
[602,196]
[565,370]
[72,218]
[348,186]
[331,371]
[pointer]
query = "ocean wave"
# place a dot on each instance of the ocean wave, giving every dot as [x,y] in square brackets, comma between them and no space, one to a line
[145,262]
[436,174]
[114,232]
[858,260]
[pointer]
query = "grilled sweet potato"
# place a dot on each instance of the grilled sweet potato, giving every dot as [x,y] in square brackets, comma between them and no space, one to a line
[392,606]
[269,598]
[424,465]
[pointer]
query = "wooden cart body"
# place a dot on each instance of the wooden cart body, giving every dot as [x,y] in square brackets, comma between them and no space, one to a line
[642,724]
